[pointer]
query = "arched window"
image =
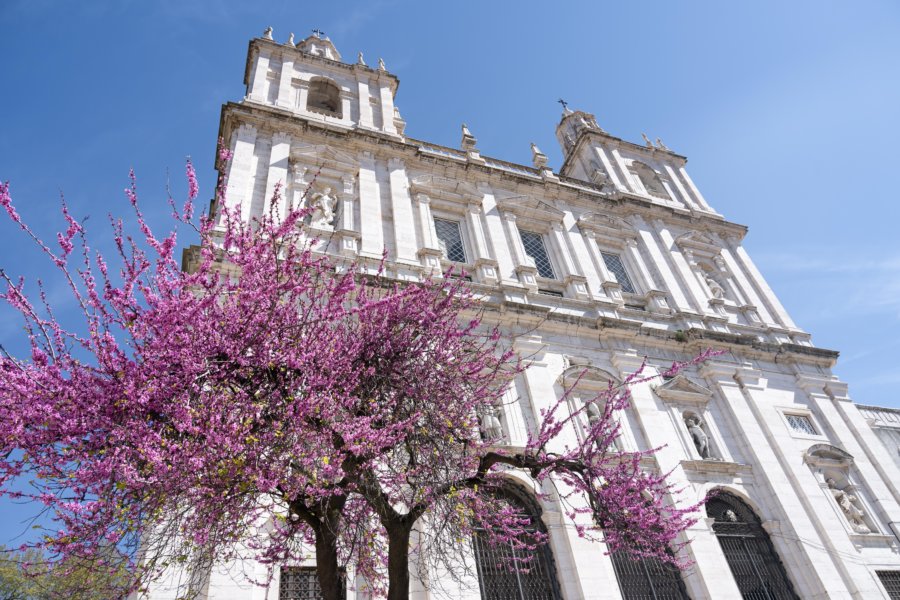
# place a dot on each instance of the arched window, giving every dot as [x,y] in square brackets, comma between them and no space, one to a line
[755,565]
[649,179]
[324,97]
[496,578]
[647,578]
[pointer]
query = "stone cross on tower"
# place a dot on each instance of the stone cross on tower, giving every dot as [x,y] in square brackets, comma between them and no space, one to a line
[565,104]
[318,32]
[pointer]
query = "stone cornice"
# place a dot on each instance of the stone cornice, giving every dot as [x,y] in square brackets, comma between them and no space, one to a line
[572,191]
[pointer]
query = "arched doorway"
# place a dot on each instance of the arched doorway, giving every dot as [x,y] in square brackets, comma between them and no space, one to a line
[495,577]
[755,565]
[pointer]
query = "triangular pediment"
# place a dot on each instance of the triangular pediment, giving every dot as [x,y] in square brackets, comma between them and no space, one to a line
[605,223]
[682,389]
[443,187]
[324,154]
[530,207]
[698,242]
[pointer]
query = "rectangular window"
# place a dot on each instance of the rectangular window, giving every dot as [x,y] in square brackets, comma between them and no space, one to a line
[891,582]
[450,240]
[535,249]
[301,583]
[614,265]
[801,424]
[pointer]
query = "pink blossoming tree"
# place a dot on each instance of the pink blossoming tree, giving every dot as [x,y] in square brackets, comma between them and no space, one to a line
[273,387]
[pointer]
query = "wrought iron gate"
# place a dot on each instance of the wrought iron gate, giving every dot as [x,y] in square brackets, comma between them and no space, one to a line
[755,565]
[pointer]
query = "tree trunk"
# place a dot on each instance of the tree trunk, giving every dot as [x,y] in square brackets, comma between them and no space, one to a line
[327,568]
[398,561]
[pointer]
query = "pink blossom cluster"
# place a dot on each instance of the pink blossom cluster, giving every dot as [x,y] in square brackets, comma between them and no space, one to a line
[274,383]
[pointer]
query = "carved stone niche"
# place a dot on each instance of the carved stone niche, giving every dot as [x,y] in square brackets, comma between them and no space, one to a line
[831,466]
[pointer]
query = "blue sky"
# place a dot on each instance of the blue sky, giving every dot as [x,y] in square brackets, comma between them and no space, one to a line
[787,111]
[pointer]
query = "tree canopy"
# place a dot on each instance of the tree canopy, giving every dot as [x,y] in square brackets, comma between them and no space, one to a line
[277,387]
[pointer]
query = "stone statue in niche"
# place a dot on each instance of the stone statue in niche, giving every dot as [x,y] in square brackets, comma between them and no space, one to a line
[701,440]
[715,287]
[322,204]
[850,506]
[491,428]
[593,413]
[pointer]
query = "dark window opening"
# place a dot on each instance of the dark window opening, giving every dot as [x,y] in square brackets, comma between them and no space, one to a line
[324,97]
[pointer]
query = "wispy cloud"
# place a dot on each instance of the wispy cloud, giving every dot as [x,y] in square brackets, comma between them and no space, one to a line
[838,281]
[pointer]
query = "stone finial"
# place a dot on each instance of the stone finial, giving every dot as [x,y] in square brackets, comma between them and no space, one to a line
[290,41]
[662,146]
[538,158]
[267,34]
[360,60]
[647,140]
[468,140]
[381,66]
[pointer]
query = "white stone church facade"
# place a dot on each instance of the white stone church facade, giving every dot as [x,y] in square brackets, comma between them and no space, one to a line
[614,257]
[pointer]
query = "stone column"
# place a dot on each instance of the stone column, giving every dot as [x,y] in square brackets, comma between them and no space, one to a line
[430,254]
[284,84]
[346,108]
[401,207]
[495,234]
[485,265]
[370,218]
[524,268]
[240,176]
[756,310]
[609,287]
[277,173]
[257,91]
[576,283]
[627,177]
[766,292]
[698,197]
[349,235]
[682,192]
[302,94]
[610,169]
[365,105]
[387,109]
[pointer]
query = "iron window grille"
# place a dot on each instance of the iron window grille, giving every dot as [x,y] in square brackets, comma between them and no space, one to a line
[450,240]
[801,424]
[614,265]
[499,579]
[647,578]
[535,249]
[891,582]
[302,583]
[755,565]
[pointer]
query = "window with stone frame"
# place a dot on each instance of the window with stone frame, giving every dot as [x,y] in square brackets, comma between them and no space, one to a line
[615,266]
[450,240]
[801,424]
[536,249]
[324,97]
